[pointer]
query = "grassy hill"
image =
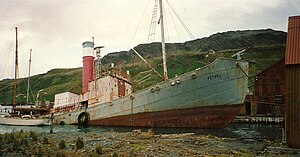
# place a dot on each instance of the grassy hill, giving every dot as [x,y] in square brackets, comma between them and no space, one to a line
[53,82]
[268,46]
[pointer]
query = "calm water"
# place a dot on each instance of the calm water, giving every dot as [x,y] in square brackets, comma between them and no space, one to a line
[235,130]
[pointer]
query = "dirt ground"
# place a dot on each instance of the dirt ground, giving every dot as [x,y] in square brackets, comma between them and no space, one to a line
[139,143]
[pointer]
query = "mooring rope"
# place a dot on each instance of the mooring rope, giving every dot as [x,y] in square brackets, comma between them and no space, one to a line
[253,82]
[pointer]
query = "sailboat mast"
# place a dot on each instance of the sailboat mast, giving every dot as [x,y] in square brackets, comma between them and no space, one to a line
[16,71]
[163,47]
[27,100]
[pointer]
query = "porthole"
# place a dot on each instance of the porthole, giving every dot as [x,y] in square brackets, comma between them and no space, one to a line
[194,76]
[157,88]
[173,83]
[152,90]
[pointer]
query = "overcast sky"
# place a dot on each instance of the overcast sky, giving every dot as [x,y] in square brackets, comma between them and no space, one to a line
[55,29]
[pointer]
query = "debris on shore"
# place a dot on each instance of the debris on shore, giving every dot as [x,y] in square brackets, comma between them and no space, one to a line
[135,143]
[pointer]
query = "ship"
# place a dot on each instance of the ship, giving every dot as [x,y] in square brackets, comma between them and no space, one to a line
[207,97]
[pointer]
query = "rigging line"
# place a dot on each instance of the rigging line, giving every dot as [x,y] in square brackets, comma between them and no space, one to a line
[79,64]
[138,25]
[181,21]
[8,58]
[5,68]
[25,81]
[174,23]
[151,34]
[31,96]
[249,79]
[167,36]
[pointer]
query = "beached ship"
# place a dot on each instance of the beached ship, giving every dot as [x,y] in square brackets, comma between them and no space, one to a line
[208,97]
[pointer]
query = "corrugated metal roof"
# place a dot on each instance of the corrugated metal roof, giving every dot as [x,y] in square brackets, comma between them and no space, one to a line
[292,55]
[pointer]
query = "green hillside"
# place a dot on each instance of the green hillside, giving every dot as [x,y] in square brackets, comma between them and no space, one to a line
[53,82]
[268,46]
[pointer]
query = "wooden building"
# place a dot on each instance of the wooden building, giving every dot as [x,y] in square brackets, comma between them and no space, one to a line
[269,93]
[270,90]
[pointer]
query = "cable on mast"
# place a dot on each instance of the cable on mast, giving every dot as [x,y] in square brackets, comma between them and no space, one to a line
[174,23]
[151,34]
[138,25]
[181,21]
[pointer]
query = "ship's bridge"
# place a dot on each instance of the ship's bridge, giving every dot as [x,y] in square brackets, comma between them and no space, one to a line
[113,85]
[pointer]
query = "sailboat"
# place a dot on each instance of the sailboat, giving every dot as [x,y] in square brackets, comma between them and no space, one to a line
[15,118]
[207,97]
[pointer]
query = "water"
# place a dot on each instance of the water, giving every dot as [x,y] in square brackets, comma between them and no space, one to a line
[234,130]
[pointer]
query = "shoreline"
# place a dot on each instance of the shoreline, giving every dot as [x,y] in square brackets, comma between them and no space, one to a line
[138,143]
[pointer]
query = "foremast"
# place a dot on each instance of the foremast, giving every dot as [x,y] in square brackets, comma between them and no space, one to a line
[163,47]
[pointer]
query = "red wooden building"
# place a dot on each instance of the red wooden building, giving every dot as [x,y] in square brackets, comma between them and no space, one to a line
[270,91]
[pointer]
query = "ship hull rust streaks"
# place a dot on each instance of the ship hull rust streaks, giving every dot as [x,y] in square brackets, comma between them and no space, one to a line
[205,117]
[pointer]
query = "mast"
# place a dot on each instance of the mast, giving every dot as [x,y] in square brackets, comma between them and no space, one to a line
[98,62]
[163,48]
[27,97]
[16,72]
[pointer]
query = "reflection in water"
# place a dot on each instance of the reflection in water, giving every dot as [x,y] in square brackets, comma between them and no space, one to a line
[234,130]
[256,130]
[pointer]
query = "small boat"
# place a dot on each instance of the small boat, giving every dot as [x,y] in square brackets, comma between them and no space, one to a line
[25,121]
[24,116]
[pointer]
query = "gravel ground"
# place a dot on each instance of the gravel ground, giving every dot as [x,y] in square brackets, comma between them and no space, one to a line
[138,143]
